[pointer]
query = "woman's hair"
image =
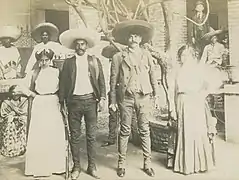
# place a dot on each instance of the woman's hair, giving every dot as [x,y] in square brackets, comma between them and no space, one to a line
[191,50]
[46,52]
[12,88]
[11,92]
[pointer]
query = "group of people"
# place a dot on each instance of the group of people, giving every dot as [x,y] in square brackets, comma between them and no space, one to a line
[80,87]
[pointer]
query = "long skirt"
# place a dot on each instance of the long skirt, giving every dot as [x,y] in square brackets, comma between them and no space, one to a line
[46,146]
[194,152]
[13,137]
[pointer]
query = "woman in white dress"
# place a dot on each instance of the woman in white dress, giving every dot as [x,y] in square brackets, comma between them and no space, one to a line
[45,154]
[194,150]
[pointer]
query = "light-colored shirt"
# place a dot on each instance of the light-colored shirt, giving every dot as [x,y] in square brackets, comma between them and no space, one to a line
[10,62]
[57,48]
[82,84]
[213,54]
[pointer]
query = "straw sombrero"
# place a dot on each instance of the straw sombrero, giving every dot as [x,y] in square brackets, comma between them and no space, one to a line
[122,31]
[211,33]
[68,37]
[11,32]
[48,27]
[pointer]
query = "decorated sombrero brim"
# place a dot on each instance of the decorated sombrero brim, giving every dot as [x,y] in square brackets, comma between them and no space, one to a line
[211,33]
[68,37]
[122,31]
[45,27]
[11,32]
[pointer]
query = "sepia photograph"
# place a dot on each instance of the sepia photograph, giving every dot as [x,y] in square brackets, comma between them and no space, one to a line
[119,89]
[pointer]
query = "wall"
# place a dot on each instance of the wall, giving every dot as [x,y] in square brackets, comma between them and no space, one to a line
[38,8]
[233,15]
[17,14]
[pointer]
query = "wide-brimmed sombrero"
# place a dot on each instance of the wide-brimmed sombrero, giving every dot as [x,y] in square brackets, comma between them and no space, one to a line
[10,32]
[68,37]
[122,31]
[48,27]
[211,33]
[110,50]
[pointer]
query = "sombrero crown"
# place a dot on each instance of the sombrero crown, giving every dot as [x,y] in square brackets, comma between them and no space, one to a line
[68,37]
[45,27]
[11,32]
[122,31]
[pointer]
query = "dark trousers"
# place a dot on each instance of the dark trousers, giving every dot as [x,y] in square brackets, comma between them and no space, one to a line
[143,108]
[78,107]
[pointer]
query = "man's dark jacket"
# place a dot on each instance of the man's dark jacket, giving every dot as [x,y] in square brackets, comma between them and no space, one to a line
[68,78]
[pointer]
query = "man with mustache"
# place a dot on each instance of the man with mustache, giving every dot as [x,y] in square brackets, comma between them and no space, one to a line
[132,83]
[82,88]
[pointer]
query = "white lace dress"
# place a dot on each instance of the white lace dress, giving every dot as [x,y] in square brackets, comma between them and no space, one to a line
[46,152]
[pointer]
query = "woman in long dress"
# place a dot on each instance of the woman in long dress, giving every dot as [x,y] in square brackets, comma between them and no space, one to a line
[194,151]
[13,113]
[46,146]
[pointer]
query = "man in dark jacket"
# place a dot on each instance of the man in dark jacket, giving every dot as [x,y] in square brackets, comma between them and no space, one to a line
[132,82]
[82,87]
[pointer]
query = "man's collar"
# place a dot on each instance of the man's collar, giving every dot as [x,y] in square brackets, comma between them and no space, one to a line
[131,50]
[83,56]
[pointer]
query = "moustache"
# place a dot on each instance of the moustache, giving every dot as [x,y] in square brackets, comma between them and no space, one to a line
[81,50]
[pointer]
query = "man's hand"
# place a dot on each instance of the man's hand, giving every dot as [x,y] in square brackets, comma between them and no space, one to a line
[102,105]
[173,114]
[62,107]
[193,40]
[114,107]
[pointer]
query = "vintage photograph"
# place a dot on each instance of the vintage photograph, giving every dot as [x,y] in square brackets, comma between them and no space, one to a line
[119,89]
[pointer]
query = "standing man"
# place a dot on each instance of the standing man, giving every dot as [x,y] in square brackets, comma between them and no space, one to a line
[132,82]
[10,66]
[108,52]
[82,87]
[213,52]
[199,31]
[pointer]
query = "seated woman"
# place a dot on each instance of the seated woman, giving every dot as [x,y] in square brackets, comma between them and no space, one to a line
[195,130]
[13,112]
[46,146]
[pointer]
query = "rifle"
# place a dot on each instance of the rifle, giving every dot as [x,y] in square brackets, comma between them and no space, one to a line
[67,137]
